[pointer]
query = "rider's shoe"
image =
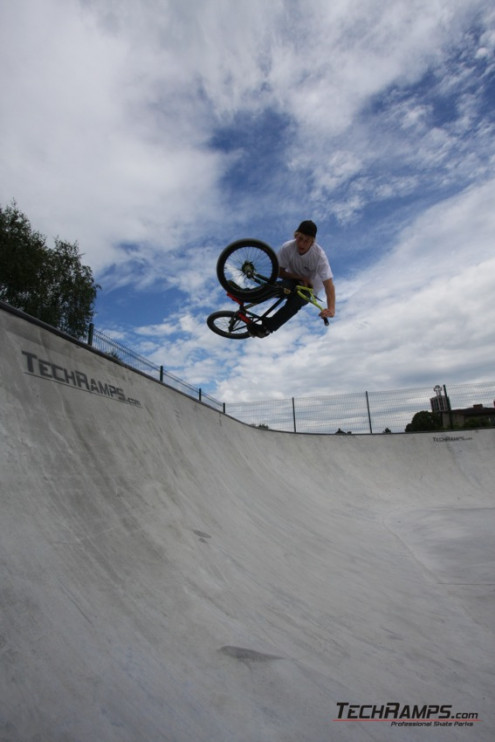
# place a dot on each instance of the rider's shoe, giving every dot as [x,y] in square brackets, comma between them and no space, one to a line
[257,330]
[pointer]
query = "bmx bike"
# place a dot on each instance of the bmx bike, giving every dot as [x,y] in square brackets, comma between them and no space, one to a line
[248,270]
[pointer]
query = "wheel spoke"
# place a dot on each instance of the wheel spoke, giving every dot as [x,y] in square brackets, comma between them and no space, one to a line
[246,266]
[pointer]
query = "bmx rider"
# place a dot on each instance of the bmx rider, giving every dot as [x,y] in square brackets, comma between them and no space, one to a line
[302,261]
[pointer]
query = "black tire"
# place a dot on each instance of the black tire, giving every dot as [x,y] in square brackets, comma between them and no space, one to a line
[228,325]
[245,267]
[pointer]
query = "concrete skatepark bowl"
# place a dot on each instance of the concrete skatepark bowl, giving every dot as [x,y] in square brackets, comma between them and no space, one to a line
[171,574]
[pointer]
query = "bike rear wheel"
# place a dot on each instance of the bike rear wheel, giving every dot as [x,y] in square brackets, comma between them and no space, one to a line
[228,325]
[245,267]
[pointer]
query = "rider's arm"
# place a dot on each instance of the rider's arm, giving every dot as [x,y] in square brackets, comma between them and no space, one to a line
[330,292]
[283,273]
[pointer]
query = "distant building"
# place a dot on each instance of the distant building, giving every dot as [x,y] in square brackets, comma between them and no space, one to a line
[458,418]
[440,403]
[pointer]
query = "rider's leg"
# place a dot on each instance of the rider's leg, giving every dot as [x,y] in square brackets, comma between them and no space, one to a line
[288,310]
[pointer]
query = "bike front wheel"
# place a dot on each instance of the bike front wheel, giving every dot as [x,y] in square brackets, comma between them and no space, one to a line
[245,267]
[228,325]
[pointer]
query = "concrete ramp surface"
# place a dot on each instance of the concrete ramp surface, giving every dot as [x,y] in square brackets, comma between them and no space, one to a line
[170,574]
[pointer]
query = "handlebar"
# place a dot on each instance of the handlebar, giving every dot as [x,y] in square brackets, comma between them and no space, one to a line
[307,293]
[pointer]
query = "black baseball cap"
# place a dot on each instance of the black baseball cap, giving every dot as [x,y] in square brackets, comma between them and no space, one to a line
[308,228]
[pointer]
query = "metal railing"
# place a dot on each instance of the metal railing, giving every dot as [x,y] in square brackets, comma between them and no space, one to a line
[364,413]
[357,413]
[120,353]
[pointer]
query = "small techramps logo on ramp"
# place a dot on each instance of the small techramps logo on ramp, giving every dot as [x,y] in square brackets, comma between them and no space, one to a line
[406,715]
[75,379]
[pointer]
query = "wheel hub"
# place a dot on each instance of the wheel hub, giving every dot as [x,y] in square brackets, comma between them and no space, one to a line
[248,269]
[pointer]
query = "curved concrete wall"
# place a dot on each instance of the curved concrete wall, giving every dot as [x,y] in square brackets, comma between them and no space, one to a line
[168,573]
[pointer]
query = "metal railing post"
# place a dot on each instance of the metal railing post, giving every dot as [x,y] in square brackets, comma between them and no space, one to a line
[449,408]
[369,412]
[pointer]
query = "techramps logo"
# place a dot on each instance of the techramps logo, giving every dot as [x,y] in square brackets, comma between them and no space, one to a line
[406,715]
[75,379]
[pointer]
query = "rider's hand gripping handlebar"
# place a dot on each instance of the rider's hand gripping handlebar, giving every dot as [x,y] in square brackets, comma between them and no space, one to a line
[307,293]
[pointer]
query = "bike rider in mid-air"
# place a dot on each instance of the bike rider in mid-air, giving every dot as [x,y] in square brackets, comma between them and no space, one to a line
[302,261]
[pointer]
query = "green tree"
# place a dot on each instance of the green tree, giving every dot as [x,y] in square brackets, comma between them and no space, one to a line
[423,421]
[48,283]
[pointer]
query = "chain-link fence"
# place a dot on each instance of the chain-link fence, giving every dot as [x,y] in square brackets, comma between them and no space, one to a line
[459,406]
[120,353]
[367,412]
[359,412]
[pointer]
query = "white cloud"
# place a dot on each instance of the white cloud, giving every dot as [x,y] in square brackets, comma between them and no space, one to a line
[424,311]
[112,104]
[80,151]
[425,307]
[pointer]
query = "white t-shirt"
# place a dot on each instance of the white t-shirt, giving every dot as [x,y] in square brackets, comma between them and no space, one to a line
[313,265]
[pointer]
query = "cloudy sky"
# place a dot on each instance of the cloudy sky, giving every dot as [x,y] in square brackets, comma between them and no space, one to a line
[155,132]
